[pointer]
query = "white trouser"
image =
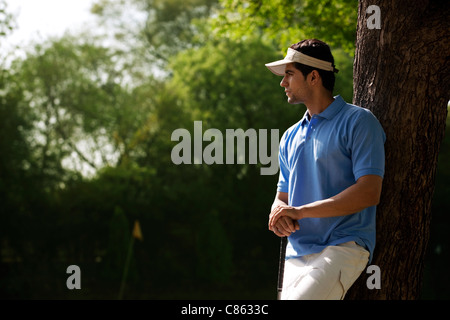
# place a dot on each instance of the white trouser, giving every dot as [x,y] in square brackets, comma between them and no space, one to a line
[326,275]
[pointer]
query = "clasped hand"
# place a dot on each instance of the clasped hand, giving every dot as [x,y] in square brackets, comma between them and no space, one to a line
[283,220]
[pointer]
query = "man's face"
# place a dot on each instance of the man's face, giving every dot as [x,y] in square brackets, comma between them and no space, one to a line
[295,85]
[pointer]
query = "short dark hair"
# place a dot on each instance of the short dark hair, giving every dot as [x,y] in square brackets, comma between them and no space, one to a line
[319,50]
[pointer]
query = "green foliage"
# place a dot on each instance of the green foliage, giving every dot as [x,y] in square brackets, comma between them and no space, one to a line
[168,26]
[83,106]
[6,20]
[344,78]
[226,85]
[161,28]
[118,245]
[287,22]
[214,250]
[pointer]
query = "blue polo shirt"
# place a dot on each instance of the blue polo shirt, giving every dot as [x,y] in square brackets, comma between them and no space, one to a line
[321,157]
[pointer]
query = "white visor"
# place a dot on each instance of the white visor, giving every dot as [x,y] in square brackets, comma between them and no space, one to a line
[278,67]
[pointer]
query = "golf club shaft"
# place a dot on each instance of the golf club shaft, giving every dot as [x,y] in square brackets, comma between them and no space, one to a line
[283,244]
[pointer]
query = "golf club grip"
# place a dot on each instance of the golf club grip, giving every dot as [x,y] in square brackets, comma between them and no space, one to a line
[283,244]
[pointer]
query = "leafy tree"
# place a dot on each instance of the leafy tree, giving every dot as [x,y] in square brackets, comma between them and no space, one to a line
[161,28]
[282,21]
[83,106]
[6,20]
[226,85]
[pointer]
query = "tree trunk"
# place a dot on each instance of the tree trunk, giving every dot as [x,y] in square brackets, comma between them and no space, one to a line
[401,73]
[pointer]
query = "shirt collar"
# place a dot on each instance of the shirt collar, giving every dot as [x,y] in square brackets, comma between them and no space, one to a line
[330,111]
[333,108]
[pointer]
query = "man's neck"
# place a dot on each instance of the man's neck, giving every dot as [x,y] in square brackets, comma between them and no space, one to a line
[319,104]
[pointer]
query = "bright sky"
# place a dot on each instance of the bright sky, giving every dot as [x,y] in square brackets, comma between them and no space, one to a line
[38,19]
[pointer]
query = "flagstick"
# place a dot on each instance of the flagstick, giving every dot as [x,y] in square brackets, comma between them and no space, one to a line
[125,270]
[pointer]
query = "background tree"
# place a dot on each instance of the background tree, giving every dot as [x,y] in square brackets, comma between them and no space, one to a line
[159,29]
[402,73]
[282,21]
[6,20]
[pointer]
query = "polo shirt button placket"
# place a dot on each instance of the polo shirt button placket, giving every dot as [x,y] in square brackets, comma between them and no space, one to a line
[311,128]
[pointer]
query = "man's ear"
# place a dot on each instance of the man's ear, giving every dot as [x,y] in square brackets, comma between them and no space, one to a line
[315,76]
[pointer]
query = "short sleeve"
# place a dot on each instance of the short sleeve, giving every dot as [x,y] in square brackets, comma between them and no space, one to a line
[367,146]
[283,178]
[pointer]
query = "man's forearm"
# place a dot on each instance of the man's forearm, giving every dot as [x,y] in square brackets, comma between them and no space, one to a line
[357,197]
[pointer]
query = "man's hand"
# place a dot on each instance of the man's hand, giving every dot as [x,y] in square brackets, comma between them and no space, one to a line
[282,220]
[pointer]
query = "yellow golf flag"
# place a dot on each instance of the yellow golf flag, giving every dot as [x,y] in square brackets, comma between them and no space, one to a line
[137,233]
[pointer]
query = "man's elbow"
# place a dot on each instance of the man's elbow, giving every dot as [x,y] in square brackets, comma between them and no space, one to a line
[372,186]
[374,197]
[369,200]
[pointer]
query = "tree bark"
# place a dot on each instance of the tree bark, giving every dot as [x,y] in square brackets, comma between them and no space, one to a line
[402,74]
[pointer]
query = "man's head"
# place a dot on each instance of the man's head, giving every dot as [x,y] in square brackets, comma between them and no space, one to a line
[319,50]
[308,56]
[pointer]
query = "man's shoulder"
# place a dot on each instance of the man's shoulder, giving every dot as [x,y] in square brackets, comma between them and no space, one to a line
[355,109]
[292,130]
[357,113]
[359,118]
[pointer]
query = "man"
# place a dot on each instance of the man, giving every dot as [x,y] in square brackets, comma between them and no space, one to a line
[331,171]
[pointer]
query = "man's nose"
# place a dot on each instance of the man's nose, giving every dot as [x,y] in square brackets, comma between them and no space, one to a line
[283,82]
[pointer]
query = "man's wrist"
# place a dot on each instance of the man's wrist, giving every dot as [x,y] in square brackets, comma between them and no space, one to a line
[300,212]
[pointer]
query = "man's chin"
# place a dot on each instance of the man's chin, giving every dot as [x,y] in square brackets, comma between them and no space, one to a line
[293,101]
